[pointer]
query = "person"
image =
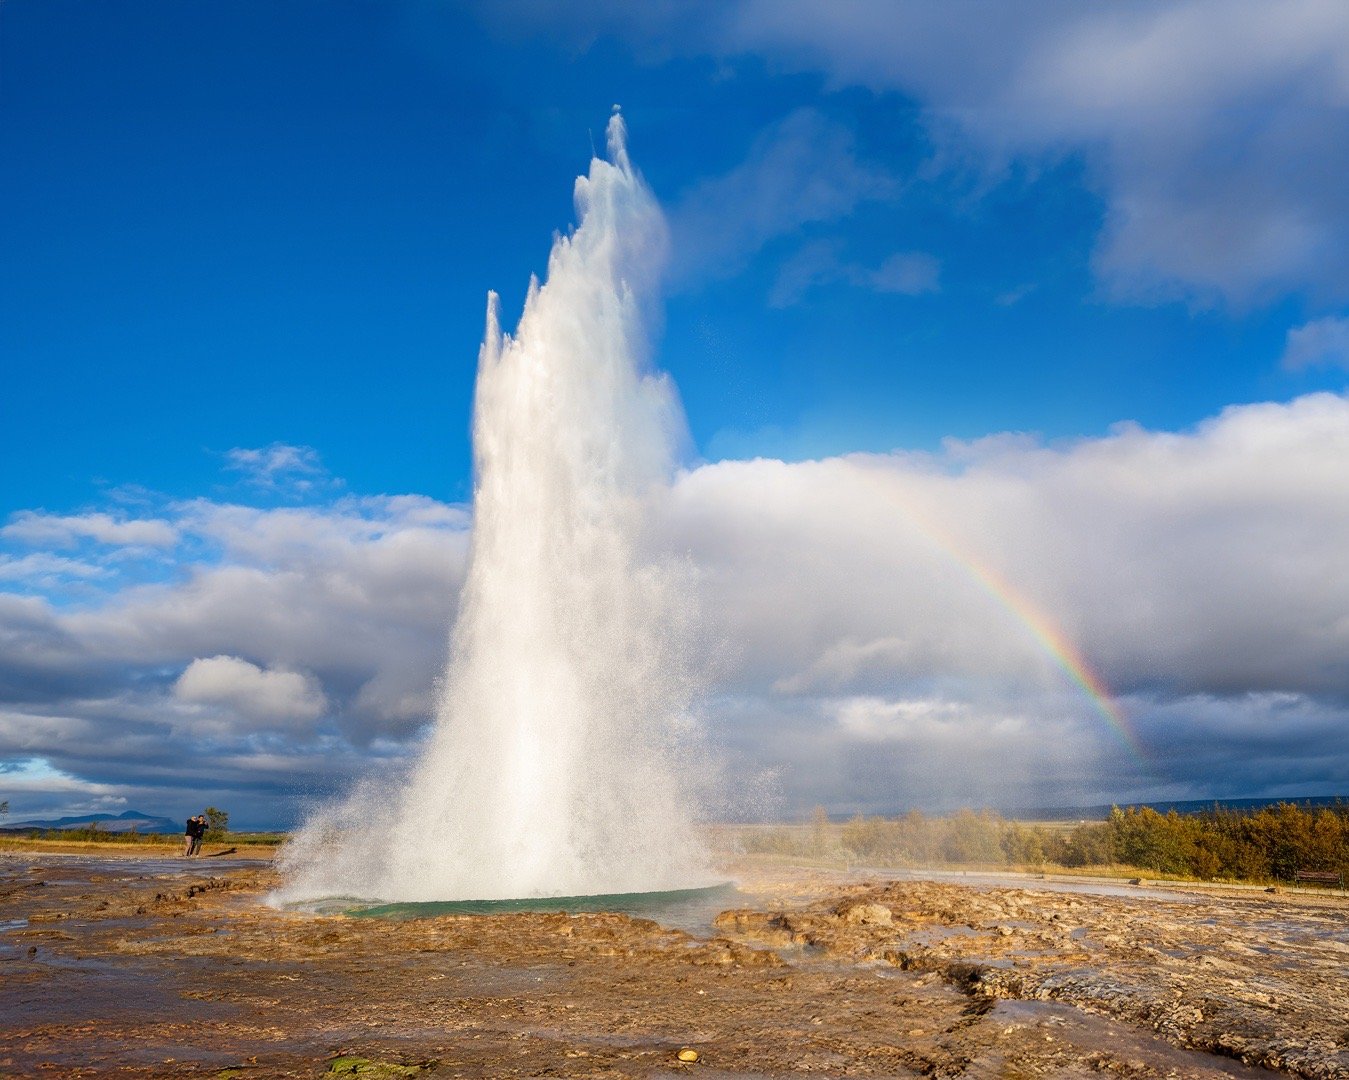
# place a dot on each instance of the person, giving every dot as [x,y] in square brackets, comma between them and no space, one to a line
[189,836]
[198,831]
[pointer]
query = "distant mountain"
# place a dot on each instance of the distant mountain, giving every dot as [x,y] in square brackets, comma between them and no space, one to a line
[124,822]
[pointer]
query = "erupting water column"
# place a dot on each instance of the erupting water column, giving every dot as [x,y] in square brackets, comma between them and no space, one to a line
[554,768]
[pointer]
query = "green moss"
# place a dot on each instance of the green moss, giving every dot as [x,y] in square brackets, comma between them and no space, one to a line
[367,1069]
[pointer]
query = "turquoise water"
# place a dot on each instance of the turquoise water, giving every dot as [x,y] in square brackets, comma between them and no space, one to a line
[685,909]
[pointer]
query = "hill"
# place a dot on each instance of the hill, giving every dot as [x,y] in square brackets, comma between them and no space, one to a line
[114,823]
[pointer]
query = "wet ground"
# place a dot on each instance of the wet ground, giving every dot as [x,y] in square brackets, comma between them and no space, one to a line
[125,967]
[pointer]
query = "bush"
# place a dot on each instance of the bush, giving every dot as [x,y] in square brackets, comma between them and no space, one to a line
[1272,843]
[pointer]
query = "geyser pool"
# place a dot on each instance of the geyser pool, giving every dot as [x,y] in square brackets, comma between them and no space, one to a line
[684,909]
[559,763]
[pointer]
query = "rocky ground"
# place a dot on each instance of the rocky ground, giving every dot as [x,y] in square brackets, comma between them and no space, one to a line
[134,967]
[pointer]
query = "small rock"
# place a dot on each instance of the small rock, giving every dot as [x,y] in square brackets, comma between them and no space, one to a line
[867,915]
[688,1054]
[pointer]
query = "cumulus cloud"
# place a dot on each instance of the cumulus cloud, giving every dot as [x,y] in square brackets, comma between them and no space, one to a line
[306,637]
[57,530]
[1204,560]
[1321,342]
[273,696]
[885,593]
[880,630]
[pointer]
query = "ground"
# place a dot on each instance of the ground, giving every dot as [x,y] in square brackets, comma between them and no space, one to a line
[119,964]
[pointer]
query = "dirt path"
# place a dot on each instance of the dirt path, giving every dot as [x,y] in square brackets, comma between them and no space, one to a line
[117,967]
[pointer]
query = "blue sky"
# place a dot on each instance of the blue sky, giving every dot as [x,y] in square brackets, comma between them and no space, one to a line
[244,255]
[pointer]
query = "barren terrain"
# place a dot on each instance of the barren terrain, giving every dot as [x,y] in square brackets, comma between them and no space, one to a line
[118,965]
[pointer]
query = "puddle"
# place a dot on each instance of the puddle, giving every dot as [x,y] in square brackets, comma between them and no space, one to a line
[121,867]
[1089,1030]
[89,986]
[929,936]
[1045,884]
[1307,931]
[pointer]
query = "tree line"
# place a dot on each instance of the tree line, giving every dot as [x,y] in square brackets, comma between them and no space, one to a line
[1269,844]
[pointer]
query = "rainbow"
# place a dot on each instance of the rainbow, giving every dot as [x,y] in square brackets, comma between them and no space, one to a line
[1042,629]
[1055,643]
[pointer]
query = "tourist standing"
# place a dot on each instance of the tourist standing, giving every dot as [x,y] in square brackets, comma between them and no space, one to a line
[196,830]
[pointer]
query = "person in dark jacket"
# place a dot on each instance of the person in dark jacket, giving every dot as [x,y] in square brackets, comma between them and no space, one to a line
[196,829]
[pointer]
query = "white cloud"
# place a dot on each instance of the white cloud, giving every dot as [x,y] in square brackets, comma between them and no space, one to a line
[297,469]
[875,626]
[1215,131]
[1203,565]
[909,273]
[874,719]
[43,570]
[272,696]
[1321,342]
[352,598]
[35,789]
[802,170]
[35,527]
[1202,560]
[844,661]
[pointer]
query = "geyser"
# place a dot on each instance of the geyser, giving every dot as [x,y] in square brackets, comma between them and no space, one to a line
[556,766]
